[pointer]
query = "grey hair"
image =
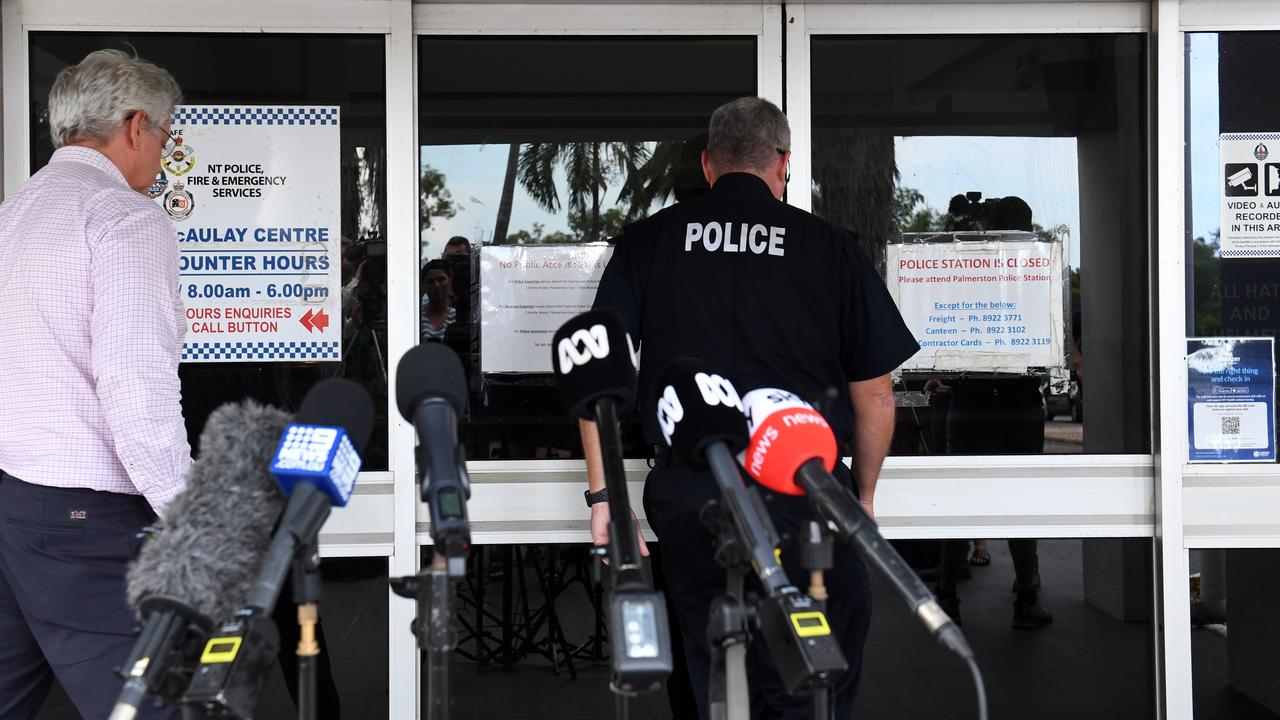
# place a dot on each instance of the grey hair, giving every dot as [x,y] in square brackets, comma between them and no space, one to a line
[746,134]
[91,99]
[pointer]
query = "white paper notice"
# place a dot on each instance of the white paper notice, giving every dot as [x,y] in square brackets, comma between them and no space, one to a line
[254,191]
[1249,195]
[980,306]
[526,293]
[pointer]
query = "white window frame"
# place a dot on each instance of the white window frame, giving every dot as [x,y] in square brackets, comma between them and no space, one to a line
[1045,482]
[378,522]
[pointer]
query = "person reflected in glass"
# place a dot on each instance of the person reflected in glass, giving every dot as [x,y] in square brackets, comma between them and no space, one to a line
[438,311]
[993,416]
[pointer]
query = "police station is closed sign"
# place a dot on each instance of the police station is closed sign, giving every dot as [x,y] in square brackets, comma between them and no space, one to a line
[980,306]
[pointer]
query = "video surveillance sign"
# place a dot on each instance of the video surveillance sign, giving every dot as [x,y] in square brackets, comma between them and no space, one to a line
[1250,200]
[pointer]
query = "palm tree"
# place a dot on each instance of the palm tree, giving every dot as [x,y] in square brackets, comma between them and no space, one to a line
[508,192]
[588,166]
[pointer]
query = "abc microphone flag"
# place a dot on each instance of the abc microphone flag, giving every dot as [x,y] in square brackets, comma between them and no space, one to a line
[592,360]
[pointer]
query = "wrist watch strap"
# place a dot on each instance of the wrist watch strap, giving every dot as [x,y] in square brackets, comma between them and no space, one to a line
[598,496]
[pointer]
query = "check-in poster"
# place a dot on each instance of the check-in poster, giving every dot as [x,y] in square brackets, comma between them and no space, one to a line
[1231,399]
[526,293]
[254,192]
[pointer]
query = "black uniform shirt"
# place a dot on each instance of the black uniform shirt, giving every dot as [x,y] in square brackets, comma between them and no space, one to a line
[770,294]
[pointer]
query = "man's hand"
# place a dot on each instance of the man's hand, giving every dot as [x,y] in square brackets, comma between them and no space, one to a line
[869,505]
[600,528]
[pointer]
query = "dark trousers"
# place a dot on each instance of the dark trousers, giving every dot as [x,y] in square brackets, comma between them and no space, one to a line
[994,417]
[63,610]
[673,497]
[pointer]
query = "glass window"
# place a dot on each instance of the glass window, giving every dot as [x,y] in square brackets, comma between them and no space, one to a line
[545,142]
[959,158]
[347,71]
[1233,262]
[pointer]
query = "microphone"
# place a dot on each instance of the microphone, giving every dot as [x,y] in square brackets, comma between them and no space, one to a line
[596,377]
[595,369]
[316,461]
[316,465]
[431,392]
[701,418]
[201,564]
[792,450]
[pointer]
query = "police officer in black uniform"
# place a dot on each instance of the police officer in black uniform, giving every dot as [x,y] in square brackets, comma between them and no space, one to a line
[776,298]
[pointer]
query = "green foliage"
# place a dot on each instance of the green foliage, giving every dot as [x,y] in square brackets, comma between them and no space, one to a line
[589,168]
[611,222]
[539,236]
[434,200]
[1206,293]
[910,214]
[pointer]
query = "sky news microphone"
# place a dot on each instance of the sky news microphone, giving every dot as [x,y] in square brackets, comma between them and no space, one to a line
[315,464]
[200,567]
[793,450]
[431,392]
[595,373]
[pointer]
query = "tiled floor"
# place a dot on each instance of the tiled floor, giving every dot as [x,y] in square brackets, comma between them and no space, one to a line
[1086,665]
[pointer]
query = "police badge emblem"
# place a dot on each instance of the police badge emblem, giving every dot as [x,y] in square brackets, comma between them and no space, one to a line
[181,160]
[1260,152]
[156,189]
[179,203]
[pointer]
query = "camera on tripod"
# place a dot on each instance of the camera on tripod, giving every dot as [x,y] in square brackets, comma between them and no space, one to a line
[369,256]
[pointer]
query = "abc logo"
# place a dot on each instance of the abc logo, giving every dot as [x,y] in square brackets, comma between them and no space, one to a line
[582,347]
[717,391]
[670,412]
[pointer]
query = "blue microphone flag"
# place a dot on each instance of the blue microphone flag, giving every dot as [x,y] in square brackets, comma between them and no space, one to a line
[321,455]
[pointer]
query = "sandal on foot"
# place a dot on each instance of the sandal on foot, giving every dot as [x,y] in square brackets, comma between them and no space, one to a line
[980,558]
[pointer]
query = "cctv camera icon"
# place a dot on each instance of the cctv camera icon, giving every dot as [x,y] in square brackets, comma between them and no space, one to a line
[1241,179]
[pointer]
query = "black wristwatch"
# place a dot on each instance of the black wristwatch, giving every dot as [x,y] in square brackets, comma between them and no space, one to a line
[598,496]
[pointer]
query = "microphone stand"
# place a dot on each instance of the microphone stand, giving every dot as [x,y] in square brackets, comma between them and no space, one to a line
[306,595]
[638,628]
[433,587]
[807,656]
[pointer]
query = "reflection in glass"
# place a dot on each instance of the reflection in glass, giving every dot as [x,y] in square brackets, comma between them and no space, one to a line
[979,134]
[280,70]
[579,137]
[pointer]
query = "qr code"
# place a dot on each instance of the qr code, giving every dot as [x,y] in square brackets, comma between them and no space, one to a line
[1231,425]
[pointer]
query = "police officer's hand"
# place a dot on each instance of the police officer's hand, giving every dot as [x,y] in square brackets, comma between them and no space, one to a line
[869,505]
[600,528]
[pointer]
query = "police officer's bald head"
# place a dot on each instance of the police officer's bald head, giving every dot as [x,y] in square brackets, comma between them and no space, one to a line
[752,135]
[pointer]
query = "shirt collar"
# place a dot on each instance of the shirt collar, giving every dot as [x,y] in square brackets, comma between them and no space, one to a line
[742,182]
[88,156]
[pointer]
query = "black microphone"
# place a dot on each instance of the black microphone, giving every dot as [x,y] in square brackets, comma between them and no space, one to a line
[792,451]
[701,418]
[431,392]
[316,463]
[596,378]
[201,565]
[595,371]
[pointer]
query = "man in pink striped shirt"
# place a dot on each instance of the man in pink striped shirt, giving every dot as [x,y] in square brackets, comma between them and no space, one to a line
[92,442]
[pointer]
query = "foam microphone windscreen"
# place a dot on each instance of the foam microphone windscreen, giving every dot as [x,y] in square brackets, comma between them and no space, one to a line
[218,528]
[426,371]
[697,406]
[337,402]
[592,360]
[786,432]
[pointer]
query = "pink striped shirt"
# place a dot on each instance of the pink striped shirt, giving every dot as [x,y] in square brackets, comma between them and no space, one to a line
[91,325]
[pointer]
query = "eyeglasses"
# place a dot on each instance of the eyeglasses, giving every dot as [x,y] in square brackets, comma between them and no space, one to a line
[169,144]
[783,153]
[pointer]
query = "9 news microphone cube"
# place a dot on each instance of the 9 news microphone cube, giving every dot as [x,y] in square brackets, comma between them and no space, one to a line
[320,455]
